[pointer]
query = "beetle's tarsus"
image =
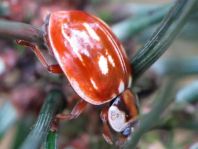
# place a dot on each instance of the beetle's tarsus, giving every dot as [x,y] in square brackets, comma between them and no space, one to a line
[106,130]
[77,110]
[107,134]
[66,117]
[54,69]
[121,140]
[54,125]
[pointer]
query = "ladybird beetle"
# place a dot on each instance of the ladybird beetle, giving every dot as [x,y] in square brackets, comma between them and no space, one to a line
[96,65]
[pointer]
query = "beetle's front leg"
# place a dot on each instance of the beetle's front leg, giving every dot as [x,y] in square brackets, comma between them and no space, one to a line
[106,130]
[76,111]
[51,68]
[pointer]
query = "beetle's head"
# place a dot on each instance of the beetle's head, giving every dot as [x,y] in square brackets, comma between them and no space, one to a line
[122,114]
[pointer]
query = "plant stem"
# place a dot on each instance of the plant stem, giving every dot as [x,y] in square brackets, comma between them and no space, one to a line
[51,141]
[8,117]
[162,100]
[188,94]
[23,31]
[54,103]
[3,9]
[185,66]
[174,122]
[22,130]
[134,25]
[163,36]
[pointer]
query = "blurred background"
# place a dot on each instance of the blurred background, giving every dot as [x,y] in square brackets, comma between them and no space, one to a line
[24,83]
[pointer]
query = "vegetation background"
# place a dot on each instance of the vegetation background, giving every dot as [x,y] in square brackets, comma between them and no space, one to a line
[25,84]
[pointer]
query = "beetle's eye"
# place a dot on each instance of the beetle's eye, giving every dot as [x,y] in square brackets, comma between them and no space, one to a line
[117,118]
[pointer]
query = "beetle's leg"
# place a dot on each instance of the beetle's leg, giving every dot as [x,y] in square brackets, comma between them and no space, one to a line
[54,68]
[51,68]
[106,130]
[125,134]
[76,111]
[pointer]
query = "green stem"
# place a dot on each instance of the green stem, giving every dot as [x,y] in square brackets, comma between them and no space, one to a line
[3,9]
[18,30]
[54,103]
[163,36]
[175,123]
[134,25]
[185,66]
[8,117]
[22,130]
[188,94]
[162,100]
[51,141]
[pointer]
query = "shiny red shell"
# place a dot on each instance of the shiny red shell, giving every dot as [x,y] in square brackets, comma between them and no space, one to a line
[90,55]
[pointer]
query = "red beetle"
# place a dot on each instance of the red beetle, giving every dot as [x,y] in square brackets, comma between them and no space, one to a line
[96,65]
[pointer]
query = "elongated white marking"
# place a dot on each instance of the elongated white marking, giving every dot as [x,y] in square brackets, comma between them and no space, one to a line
[119,52]
[130,81]
[91,32]
[103,65]
[75,39]
[85,52]
[77,88]
[117,119]
[84,96]
[121,87]
[72,41]
[93,83]
[111,60]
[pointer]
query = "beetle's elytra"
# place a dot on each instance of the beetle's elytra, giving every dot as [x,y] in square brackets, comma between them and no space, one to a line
[90,55]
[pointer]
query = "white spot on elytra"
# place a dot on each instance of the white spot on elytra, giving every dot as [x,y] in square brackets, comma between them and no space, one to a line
[111,60]
[71,40]
[121,87]
[103,65]
[77,88]
[85,52]
[75,39]
[117,119]
[83,95]
[91,32]
[93,83]
[130,81]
